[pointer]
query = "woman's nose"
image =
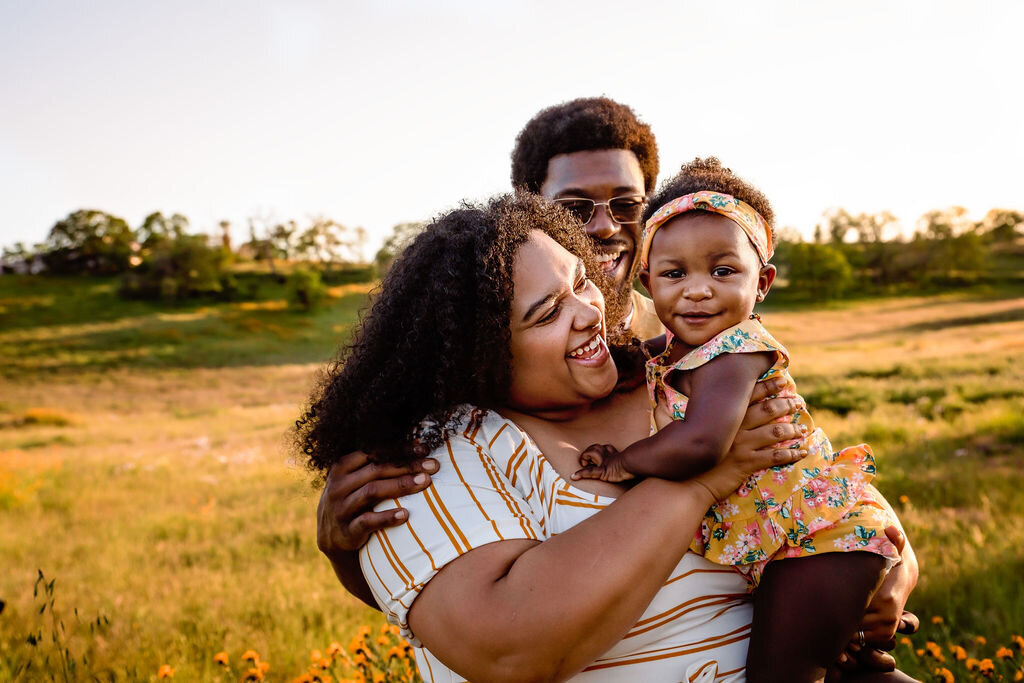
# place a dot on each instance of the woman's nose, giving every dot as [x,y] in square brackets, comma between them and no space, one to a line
[588,315]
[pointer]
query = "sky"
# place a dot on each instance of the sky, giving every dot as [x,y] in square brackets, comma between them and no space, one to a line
[378,113]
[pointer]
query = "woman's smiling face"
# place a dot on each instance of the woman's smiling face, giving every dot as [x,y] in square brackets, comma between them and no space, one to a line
[560,358]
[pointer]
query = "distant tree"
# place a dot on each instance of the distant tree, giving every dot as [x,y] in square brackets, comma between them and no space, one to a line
[327,241]
[1002,225]
[818,271]
[283,238]
[401,236]
[157,228]
[225,235]
[179,268]
[90,242]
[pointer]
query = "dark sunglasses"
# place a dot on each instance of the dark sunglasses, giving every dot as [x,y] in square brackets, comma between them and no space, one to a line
[625,209]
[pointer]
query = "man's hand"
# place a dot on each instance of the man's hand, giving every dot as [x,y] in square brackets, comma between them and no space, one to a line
[345,515]
[884,617]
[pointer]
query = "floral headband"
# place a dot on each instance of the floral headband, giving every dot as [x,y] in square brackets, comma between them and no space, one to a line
[739,212]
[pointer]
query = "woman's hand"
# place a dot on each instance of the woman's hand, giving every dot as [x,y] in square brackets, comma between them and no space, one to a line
[355,484]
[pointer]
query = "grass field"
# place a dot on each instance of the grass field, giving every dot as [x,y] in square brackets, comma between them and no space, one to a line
[144,468]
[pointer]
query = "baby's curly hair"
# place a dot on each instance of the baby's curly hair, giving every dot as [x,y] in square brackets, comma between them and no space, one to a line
[436,336]
[581,125]
[709,174]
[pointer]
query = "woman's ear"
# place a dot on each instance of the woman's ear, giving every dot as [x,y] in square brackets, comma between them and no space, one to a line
[764,281]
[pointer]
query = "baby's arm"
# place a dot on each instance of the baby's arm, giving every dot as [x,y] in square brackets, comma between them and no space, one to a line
[719,395]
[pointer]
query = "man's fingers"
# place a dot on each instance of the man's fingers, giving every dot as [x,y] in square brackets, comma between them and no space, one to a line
[909,623]
[370,475]
[764,412]
[349,462]
[876,660]
[369,522]
[896,537]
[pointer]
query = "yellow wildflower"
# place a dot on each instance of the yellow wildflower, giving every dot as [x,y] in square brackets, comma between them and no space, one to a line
[378,677]
[1019,642]
[394,652]
[1019,676]
[936,619]
[904,500]
[980,640]
[383,629]
[986,666]
[905,641]
[383,641]
[971,664]
[253,675]
[304,678]
[1004,653]
[959,653]
[264,666]
[334,649]
[920,652]
[945,674]
[165,671]
[250,656]
[394,630]
[324,663]
[315,656]
[364,631]
[221,658]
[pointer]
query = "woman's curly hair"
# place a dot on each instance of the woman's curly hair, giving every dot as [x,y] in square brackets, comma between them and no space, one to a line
[581,125]
[709,174]
[435,337]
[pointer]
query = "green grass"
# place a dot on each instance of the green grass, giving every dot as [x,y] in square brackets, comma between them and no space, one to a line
[144,467]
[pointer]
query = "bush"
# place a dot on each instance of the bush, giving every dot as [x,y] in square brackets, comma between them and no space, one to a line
[306,288]
[818,271]
[181,268]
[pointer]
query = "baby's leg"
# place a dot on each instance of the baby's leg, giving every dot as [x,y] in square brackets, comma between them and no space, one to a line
[806,610]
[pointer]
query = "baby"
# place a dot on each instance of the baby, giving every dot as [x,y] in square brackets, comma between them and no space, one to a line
[705,260]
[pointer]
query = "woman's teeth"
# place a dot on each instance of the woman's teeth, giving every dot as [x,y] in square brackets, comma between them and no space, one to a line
[586,349]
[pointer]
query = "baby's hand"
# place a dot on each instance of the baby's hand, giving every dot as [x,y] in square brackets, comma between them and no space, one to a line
[604,462]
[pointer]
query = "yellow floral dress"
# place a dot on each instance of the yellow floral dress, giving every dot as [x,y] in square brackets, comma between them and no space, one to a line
[820,504]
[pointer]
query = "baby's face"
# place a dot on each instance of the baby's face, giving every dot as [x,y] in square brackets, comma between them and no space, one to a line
[704,276]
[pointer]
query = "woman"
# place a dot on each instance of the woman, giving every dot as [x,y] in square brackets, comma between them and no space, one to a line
[505,571]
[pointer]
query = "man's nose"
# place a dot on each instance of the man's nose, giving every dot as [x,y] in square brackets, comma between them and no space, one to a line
[601,225]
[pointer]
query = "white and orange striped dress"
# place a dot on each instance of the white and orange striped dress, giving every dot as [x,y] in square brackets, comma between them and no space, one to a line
[494,484]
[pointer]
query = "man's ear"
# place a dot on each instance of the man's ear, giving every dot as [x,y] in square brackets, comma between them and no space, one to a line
[764,281]
[645,279]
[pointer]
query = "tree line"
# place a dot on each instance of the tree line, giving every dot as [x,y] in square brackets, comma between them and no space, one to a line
[849,253]
[162,259]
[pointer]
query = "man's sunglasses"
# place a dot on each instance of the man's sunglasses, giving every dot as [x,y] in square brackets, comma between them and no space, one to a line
[625,209]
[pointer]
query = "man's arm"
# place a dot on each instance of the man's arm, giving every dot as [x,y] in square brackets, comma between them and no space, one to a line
[345,514]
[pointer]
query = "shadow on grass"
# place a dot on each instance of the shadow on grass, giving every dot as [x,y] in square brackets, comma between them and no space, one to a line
[1011,316]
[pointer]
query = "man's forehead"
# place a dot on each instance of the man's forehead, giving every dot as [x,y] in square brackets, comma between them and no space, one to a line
[597,174]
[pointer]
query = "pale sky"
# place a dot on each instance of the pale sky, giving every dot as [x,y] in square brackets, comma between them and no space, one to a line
[379,112]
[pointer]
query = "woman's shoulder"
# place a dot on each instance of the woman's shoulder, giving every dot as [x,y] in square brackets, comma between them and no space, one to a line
[481,433]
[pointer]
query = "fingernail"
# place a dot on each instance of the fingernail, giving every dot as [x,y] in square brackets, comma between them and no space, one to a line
[843,658]
[803,429]
[430,465]
[401,514]
[419,479]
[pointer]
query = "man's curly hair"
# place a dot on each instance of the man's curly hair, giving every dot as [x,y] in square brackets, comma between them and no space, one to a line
[436,336]
[581,125]
[709,174]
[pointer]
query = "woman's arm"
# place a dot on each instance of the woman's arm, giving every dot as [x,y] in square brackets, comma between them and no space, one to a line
[526,610]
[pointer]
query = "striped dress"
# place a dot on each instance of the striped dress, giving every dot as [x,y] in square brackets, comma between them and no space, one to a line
[494,484]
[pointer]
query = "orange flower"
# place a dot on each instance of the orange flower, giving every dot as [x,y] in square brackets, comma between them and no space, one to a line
[936,619]
[334,649]
[251,656]
[1019,676]
[304,678]
[383,641]
[971,664]
[253,675]
[1019,642]
[384,628]
[315,656]
[920,652]
[945,674]
[1004,653]
[959,653]
[324,663]
[986,666]
[221,658]
[165,671]
[364,631]
[935,651]
[395,630]
[905,641]
[264,666]
[904,500]
[980,640]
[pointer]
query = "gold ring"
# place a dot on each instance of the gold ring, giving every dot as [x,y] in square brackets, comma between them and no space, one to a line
[861,639]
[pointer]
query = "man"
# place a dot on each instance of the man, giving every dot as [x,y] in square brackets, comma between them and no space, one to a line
[594,157]
[597,159]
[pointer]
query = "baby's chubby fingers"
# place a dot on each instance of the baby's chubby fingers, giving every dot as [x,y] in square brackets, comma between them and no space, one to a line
[594,454]
[588,472]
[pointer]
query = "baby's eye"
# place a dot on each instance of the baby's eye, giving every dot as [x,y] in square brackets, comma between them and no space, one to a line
[673,274]
[722,271]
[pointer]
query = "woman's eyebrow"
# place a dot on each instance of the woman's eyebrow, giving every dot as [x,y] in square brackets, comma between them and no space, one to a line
[580,269]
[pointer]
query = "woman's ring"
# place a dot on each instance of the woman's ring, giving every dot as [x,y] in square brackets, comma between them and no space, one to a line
[861,639]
